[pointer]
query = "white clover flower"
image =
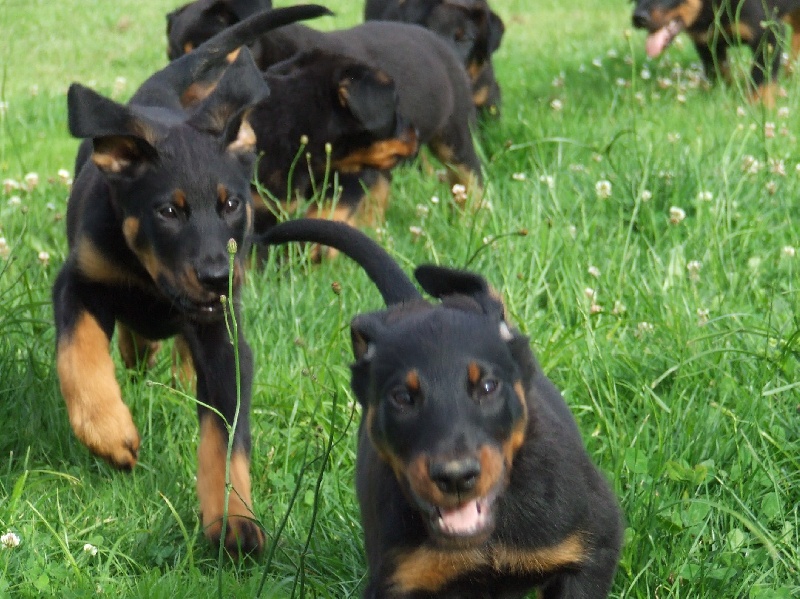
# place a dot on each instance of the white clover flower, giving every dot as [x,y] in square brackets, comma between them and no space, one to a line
[750,164]
[769,129]
[664,82]
[740,111]
[644,327]
[676,215]
[90,549]
[3,108]
[518,176]
[558,81]
[434,199]
[619,308]
[595,308]
[14,201]
[681,98]
[573,231]
[603,189]
[788,251]
[639,97]
[645,74]
[9,540]
[771,187]
[44,258]
[704,196]
[646,195]
[702,316]
[556,105]
[597,62]
[612,53]
[590,293]
[10,185]
[459,193]
[422,210]
[673,137]
[415,231]
[5,250]
[777,167]
[783,112]
[621,82]
[594,271]
[547,180]
[31,180]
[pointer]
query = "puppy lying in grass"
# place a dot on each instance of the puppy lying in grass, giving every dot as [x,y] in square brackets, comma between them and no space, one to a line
[472,478]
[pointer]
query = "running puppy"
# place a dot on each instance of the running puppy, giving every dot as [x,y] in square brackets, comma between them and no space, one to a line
[159,194]
[472,478]
[715,25]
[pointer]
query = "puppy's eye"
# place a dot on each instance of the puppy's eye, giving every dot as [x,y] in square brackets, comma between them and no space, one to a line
[168,212]
[231,205]
[488,387]
[401,398]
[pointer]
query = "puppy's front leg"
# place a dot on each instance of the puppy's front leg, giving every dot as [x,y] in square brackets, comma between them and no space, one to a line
[96,411]
[214,359]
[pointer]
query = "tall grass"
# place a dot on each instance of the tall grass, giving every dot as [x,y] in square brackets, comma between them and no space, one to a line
[657,281]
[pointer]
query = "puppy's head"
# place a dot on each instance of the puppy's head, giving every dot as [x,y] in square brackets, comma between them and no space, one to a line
[180,187]
[664,20]
[443,392]
[474,30]
[191,24]
[331,99]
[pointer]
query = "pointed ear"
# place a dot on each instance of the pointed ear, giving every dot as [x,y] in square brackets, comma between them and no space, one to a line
[370,96]
[442,282]
[223,111]
[246,8]
[124,142]
[365,330]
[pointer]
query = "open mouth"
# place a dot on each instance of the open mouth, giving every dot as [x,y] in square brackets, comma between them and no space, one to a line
[469,523]
[660,39]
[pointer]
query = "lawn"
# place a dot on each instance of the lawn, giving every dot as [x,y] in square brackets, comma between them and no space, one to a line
[658,282]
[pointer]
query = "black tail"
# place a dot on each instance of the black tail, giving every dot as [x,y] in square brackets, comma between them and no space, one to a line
[394,285]
[165,87]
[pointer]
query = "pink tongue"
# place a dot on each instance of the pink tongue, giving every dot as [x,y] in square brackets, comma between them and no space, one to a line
[657,41]
[462,519]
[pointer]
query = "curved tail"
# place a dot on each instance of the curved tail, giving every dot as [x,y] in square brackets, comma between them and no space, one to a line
[208,60]
[394,285]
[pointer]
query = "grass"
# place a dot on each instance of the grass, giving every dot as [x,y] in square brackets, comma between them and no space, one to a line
[675,343]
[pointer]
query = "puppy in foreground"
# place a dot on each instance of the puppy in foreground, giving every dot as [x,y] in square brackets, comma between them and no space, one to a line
[715,25]
[472,478]
[159,193]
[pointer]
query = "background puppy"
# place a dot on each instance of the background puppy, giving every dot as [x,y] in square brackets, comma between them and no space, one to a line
[714,25]
[470,26]
[149,219]
[195,22]
[472,478]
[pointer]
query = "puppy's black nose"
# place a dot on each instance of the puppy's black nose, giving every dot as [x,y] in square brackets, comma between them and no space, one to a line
[455,476]
[641,19]
[214,278]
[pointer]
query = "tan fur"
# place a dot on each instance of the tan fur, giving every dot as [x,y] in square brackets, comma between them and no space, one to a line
[426,569]
[211,458]
[136,349]
[94,403]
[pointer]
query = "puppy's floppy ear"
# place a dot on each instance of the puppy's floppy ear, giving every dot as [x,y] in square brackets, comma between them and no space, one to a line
[496,31]
[124,141]
[365,330]
[223,111]
[370,96]
[442,282]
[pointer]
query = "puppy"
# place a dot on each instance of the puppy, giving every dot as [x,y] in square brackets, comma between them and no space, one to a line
[160,195]
[472,478]
[191,24]
[714,26]
[470,26]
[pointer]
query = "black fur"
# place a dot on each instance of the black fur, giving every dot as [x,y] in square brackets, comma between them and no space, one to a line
[472,478]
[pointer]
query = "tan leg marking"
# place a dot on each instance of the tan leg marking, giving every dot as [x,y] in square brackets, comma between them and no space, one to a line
[182,365]
[766,94]
[343,214]
[94,403]
[243,533]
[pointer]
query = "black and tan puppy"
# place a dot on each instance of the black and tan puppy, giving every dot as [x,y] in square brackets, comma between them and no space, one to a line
[195,22]
[470,26]
[472,478]
[149,221]
[715,25]
[347,114]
